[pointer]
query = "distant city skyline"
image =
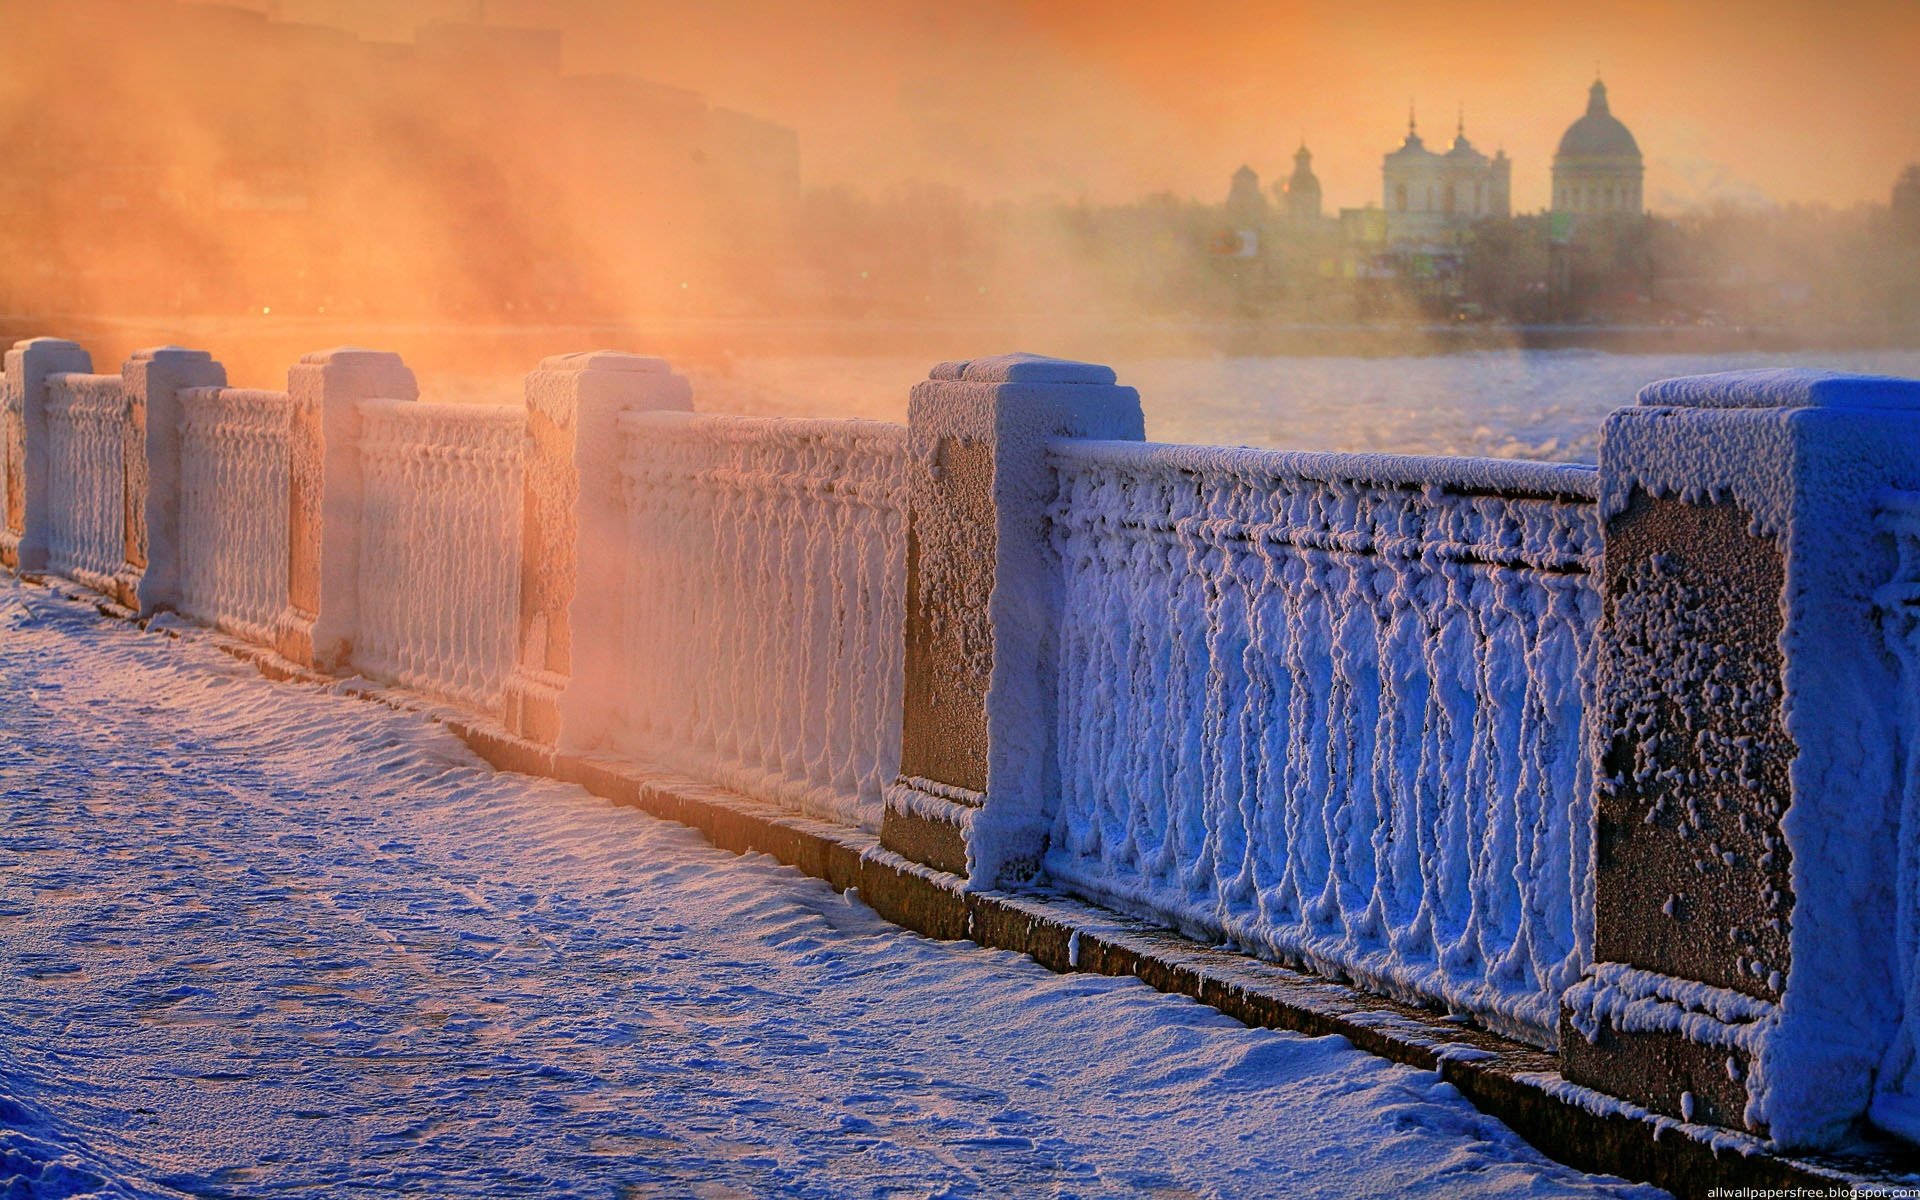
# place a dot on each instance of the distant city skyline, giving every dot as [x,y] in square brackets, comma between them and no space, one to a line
[1759,101]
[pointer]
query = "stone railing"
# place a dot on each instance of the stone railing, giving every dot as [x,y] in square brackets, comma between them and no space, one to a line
[88,427]
[440,546]
[236,451]
[1328,707]
[761,645]
[1623,760]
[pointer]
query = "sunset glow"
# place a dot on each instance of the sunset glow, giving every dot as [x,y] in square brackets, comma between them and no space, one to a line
[1736,99]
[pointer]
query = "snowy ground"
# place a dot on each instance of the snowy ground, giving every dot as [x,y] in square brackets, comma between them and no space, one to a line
[256,938]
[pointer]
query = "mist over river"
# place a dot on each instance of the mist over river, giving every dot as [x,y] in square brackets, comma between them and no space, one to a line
[1544,404]
[1501,401]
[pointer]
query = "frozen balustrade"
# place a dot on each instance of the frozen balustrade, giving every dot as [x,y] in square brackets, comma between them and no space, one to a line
[234,476]
[1397,719]
[1329,707]
[89,430]
[439,555]
[764,575]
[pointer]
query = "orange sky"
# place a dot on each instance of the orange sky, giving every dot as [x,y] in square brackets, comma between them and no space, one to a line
[1792,101]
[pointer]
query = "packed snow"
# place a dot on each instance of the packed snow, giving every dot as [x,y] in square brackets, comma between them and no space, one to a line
[1330,708]
[265,938]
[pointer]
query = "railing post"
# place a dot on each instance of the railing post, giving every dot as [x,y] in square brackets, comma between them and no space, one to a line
[153,380]
[323,501]
[23,543]
[977,724]
[1751,754]
[572,540]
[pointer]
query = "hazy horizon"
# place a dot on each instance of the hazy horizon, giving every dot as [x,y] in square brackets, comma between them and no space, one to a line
[1731,102]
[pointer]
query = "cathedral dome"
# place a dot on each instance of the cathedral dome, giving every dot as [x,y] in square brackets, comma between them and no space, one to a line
[1598,134]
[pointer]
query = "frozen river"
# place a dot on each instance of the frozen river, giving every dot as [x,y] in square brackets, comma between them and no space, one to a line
[1524,404]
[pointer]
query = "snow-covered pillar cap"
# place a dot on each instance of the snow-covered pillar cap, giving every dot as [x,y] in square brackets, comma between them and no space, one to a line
[1023,368]
[607,360]
[350,374]
[1782,387]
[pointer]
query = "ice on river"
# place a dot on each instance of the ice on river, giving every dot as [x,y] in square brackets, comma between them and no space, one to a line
[1499,404]
[259,938]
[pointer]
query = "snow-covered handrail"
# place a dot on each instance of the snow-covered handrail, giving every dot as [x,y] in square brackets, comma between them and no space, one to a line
[439,559]
[1493,476]
[764,574]
[1487,510]
[235,447]
[1329,707]
[89,430]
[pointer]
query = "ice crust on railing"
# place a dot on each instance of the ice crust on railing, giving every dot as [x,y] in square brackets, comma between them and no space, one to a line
[13,455]
[1329,708]
[234,464]
[88,427]
[765,599]
[440,546]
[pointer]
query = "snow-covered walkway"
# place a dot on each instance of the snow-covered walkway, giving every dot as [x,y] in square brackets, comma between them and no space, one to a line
[257,938]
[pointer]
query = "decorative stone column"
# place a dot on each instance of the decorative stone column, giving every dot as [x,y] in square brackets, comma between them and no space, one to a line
[1750,750]
[23,410]
[572,565]
[976,750]
[153,380]
[324,498]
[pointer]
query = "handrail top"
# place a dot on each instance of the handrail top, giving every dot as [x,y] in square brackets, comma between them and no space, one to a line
[1494,476]
[657,420]
[441,410]
[230,394]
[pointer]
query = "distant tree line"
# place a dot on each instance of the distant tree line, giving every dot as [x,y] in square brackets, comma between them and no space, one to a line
[930,251]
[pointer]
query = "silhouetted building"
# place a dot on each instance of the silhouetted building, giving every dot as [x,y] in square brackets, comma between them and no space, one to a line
[1435,198]
[1906,202]
[1244,201]
[1303,189]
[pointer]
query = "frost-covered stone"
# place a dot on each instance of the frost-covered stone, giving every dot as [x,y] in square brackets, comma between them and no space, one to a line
[762,574]
[324,502]
[1328,707]
[89,436]
[23,398]
[573,540]
[1751,833]
[235,471]
[977,765]
[153,380]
